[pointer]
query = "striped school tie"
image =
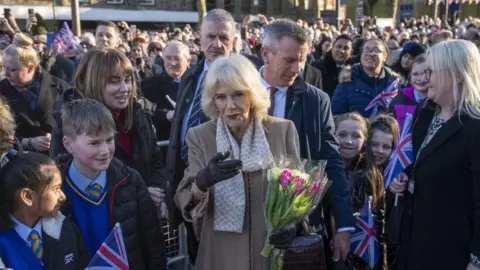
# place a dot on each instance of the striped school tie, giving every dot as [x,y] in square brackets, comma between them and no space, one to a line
[36,244]
[194,119]
[94,190]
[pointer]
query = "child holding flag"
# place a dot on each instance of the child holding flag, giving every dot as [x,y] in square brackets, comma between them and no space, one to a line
[366,181]
[102,191]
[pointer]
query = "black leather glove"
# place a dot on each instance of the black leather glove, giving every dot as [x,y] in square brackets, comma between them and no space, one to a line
[218,170]
[283,238]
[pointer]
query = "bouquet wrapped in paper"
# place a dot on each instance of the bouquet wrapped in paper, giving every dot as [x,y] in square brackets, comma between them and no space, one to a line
[294,191]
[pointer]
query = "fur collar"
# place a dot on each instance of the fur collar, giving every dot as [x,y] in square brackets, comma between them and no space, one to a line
[345,75]
[53,226]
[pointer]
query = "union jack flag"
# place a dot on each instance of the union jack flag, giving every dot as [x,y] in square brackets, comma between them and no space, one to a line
[382,100]
[364,242]
[112,253]
[65,34]
[402,154]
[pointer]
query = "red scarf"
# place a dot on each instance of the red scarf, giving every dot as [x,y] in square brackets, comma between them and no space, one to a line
[123,137]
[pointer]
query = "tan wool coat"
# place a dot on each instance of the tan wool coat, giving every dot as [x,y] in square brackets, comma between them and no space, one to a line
[228,250]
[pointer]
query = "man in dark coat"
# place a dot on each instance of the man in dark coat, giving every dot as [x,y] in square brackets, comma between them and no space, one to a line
[284,52]
[312,75]
[217,37]
[162,89]
[333,62]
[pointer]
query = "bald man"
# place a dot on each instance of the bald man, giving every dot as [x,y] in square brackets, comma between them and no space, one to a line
[162,89]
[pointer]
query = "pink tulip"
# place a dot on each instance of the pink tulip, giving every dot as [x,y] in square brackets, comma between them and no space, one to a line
[315,188]
[299,185]
[285,179]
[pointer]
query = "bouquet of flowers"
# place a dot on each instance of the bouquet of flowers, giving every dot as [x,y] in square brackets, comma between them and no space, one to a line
[292,194]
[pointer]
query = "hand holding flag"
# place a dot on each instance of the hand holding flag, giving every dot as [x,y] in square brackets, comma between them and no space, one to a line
[382,100]
[112,253]
[402,154]
[364,240]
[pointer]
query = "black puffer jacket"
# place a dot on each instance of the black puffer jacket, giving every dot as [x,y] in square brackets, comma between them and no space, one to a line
[131,206]
[147,157]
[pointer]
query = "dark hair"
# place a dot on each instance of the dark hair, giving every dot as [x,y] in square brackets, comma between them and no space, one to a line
[31,170]
[343,37]
[320,44]
[108,24]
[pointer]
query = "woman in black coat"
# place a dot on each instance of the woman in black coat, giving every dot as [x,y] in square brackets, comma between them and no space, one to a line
[441,217]
[31,94]
[108,76]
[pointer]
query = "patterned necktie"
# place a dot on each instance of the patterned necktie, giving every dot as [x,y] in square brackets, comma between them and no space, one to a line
[36,244]
[94,190]
[194,119]
[273,91]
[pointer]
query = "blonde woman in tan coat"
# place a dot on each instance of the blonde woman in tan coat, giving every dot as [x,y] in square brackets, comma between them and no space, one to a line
[224,184]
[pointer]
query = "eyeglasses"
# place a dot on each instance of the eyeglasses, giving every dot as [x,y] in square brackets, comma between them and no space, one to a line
[372,50]
[428,73]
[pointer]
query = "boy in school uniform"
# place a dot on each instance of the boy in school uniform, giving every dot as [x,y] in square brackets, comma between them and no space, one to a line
[102,191]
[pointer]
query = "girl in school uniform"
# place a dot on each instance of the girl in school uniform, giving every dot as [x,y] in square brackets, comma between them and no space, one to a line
[366,180]
[34,235]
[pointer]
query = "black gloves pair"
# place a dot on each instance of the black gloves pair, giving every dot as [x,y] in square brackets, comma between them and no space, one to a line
[283,238]
[218,170]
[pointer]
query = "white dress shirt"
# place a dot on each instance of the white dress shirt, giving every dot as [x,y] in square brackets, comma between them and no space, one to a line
[24,231]
[280,98]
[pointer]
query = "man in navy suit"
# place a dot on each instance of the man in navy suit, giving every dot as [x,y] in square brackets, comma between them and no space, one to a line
[284,52]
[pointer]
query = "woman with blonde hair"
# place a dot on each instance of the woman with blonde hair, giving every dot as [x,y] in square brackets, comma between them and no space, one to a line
[108,77]
[30,92]
[442,187]
[224,185]
[9,144]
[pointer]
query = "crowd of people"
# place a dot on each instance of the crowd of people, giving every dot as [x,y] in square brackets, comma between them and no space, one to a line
[80,119]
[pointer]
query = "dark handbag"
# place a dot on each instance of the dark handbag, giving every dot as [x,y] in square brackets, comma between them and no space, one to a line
[305,253]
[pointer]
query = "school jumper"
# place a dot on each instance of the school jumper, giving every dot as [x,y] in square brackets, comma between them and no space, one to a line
[63,247]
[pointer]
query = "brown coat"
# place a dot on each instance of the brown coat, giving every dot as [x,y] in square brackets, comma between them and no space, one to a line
[225,250]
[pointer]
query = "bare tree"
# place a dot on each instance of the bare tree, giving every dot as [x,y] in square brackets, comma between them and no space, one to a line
[395,12]
[317,8]
[202,9]
[368,7]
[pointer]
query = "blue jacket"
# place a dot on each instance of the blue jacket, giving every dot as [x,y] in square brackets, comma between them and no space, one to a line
[356,89]
[309,109]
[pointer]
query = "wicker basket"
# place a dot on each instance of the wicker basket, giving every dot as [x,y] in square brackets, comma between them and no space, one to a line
[306,253]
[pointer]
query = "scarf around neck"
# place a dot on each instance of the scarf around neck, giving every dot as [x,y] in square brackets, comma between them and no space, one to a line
[229,198]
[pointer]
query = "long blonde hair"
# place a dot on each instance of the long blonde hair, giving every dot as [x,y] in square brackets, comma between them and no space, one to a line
[21,49]
[96,68]
[461,60]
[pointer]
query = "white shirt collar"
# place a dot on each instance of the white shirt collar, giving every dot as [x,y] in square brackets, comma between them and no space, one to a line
[283,89]
[417,96]
[24,231]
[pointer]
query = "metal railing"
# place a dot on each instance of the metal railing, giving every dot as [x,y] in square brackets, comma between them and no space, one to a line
[175,240]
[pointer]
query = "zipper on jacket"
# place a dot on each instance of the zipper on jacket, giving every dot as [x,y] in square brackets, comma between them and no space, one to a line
[112,198]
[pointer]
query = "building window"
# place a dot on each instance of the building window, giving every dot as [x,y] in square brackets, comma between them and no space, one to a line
[83,1]
[115,2]
[146,2]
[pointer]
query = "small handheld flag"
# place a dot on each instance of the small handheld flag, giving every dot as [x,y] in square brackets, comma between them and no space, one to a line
[402,154]
[364,242]
[112,253]
[382,100]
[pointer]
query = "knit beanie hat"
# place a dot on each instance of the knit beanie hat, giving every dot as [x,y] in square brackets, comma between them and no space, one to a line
[412,48]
